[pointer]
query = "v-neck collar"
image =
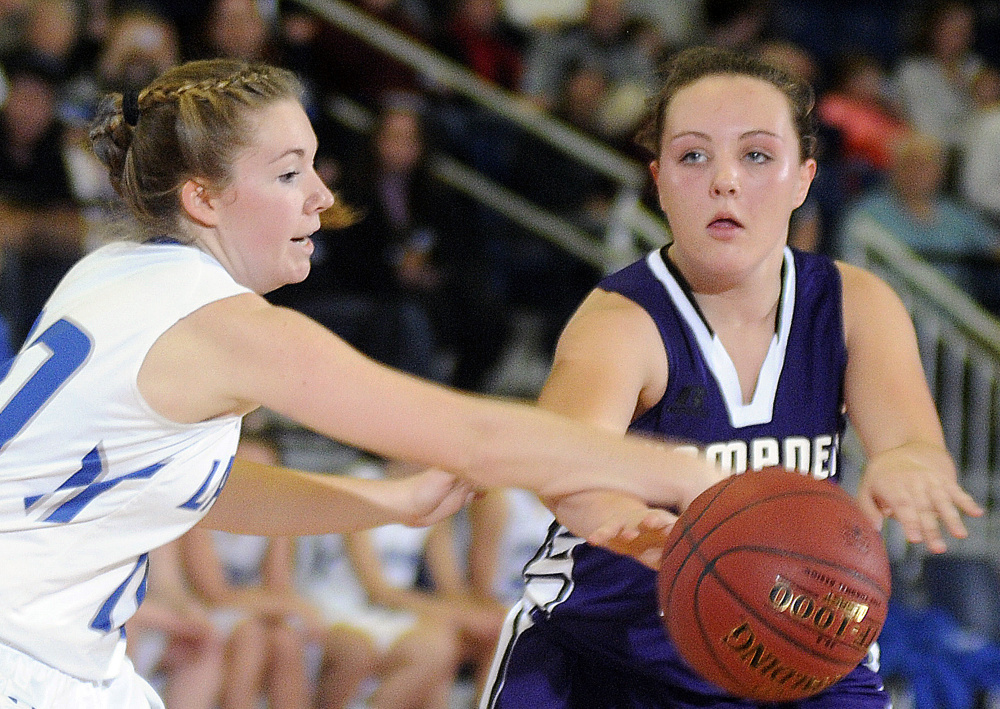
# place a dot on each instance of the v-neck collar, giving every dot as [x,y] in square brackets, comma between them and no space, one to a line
[760,409]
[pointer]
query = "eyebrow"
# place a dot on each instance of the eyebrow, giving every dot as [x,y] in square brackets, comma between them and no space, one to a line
[743,136]
[299,152]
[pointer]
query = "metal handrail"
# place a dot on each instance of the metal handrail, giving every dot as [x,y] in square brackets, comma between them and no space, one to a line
[455,77]
[631,222]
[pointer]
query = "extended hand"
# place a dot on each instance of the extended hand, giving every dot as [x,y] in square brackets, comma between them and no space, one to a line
[643,538]
[433,495]
[917,486]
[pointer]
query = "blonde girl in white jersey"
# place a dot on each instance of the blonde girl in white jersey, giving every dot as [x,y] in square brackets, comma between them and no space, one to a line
[120,416]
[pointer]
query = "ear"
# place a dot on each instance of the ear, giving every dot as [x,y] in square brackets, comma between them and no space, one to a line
[807,171]
[197,202]
[654,170]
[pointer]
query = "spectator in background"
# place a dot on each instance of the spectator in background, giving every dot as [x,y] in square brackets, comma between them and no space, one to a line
[679,22]
[601,41]
[265,631]
[832,29]
[408,258]
[506,527]
[55,39]
[933,79]
[388,562]
[41,227]
[140,46]
[274,633]
[477,36]
[345,65]
[915,208]
[857,108]
[236,29]
[414,659]
[979,165]
[736,24]
[527,271]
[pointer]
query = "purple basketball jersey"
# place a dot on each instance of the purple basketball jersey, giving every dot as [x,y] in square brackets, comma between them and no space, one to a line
[596,612]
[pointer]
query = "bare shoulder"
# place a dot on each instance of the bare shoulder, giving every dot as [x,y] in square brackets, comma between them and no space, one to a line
[870,304]
[610,360]
[606,324]
[603,308]
[213,361]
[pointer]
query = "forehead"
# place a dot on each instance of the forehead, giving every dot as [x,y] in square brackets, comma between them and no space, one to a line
[733,101]
[278,128]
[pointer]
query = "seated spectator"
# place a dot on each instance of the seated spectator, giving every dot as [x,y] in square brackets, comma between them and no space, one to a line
[979,163]
[857,107]
[171,639]
[506,528]
[735,24]
[404,282]
[477,36]
[602,41]
[345,64]
[915,208]
[415,657]
[248,584]
[55,39]
[933,79]
[42,230]
[388,562]
[237,29]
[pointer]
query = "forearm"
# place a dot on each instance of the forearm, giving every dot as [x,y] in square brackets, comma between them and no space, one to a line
[269,501]
[584,457]
[504,444]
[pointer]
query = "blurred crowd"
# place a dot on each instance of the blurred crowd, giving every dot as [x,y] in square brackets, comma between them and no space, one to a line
[427,280]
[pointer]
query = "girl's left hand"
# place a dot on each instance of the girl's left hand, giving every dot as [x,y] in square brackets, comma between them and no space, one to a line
[918,486]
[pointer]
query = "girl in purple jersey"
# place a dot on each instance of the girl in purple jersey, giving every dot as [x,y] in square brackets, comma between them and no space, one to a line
[750,351]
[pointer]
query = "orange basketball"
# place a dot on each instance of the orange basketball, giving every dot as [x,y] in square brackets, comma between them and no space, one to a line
[774,585]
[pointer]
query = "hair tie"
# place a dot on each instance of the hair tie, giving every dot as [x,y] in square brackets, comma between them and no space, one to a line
[130,107]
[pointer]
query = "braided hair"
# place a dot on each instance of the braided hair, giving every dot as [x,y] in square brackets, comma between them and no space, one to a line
[190,122]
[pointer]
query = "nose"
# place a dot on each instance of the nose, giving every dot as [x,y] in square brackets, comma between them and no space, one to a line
[725,181]
[320,200]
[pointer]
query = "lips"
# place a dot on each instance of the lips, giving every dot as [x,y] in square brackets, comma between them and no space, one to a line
[725,222]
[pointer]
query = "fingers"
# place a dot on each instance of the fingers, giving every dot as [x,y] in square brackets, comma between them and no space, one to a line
[643,541]
[922,508]
[871,511]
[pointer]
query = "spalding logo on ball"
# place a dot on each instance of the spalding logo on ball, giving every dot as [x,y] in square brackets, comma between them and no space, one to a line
[774,585]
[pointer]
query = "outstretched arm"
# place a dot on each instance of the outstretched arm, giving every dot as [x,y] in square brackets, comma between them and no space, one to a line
[909,474]
[609,366]
[250,353]
[273,501]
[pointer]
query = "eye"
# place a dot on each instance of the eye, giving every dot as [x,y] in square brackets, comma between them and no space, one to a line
[757,156]
[693,156]
[288,176]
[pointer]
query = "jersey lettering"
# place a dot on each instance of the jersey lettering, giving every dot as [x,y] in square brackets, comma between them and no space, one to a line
[81,488]
[816,457]
[67,348]
[115,611]
[209,489]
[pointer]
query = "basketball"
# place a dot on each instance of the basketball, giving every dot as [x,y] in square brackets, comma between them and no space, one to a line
[773,585]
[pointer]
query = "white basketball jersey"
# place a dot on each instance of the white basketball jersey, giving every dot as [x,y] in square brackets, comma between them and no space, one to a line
[91,477]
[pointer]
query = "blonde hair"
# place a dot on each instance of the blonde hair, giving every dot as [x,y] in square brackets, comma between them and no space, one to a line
[189,122]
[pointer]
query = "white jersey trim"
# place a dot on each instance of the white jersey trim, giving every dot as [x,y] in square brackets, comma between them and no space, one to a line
[760,410]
